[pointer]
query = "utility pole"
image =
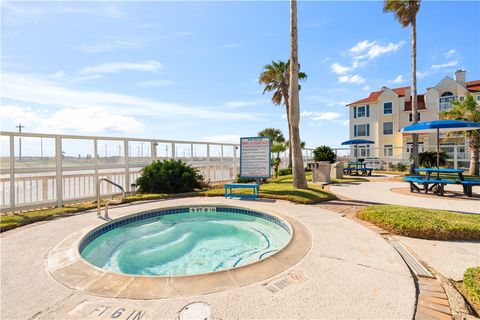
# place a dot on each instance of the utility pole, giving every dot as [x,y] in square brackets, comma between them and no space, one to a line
[20,141]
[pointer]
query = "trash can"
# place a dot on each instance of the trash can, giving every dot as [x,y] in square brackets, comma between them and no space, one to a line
[336,171]
[321,172]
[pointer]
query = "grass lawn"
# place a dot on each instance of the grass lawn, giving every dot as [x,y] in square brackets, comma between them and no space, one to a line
[280,188]
[471,287]
[423,223]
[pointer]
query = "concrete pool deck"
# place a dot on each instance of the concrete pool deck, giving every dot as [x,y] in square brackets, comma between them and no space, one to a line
[350,272]
[381,192]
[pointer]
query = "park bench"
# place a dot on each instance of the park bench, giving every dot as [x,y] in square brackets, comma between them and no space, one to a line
[230,187]
[468,186]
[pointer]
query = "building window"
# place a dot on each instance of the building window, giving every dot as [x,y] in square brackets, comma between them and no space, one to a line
[387,108]
[388,150]
[361,130]
[421,148]
[388,128]
[410,117]
[478,98]
[363,151]
[361,112]
[446,100]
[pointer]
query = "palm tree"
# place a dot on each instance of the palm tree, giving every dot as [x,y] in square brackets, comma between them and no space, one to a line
[467,110]
[276,78]
[406,13]
[278,145]
[299,180]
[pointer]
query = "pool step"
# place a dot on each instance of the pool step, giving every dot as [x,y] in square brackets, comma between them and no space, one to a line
[410,260]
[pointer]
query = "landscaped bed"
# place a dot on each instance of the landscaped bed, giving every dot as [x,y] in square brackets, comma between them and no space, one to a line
[423,223]
[471,287]
[280,188]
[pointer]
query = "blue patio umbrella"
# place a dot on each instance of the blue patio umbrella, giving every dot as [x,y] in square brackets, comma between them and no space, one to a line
[444,125]
[356,142]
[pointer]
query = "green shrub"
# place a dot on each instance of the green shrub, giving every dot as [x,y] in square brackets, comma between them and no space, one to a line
[428,159]
[324,153]
[244,180]
[285,172]
[471,283]
[401,167]
[169,176]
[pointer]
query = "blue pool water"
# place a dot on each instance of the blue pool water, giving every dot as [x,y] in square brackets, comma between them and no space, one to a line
[186,243]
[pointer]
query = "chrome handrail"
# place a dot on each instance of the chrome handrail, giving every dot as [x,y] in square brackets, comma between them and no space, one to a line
[108,202]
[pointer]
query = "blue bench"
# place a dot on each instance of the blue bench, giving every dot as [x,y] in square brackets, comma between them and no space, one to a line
[439,183]
[468,186]
[230,187]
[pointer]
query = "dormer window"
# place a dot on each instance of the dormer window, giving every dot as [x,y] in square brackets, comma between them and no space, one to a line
[446,100]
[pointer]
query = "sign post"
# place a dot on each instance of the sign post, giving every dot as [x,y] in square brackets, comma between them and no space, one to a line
[255,158]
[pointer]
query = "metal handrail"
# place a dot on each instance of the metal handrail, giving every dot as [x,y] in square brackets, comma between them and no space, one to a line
[108,202]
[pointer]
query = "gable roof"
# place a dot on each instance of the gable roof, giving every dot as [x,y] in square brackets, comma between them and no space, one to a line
[373,97]
[473,86]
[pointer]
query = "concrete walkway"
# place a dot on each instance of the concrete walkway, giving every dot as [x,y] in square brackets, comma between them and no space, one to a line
[350,272]
[380,192]
[450,258]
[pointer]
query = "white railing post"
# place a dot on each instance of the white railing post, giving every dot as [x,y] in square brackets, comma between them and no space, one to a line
[12,172]
[153,151]
[234,162]
[95,163]
[208,162]
[59,171]
[455,156]
[127,169]
[221,162]
[191,152]
[173,150]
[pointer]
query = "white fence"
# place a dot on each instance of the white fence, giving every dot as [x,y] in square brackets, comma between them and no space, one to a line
[39,170]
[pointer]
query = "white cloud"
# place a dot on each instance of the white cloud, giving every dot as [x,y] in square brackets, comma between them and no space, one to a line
[227,138]
[398,79]
[366,88]
[183,33]
[339,69]
[422,74]
[356,79]
[109,44]
[452,63]
[318,116]
[115,67]
[240,104]
[37,90]
[232,45]
[70,120]
[451,53]
[372,49]
[154,83]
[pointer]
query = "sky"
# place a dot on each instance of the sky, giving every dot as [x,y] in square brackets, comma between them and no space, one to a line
[189,70]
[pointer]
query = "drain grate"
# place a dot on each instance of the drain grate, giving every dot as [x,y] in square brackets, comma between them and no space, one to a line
[284,283]
[410,260]
[195,311]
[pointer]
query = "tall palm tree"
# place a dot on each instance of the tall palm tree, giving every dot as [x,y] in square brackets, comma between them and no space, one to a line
[299,180]
[406,13]
[276,78]
[467,110]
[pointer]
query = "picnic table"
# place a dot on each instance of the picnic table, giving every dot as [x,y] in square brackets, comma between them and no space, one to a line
[230,187]
[437,184]
[357,168]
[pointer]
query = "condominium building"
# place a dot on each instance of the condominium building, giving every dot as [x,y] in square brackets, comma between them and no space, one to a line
[380,117]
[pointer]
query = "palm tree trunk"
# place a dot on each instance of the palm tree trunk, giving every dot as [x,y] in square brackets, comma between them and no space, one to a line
[414,96]
[287,107]
[474,159]
[299,180]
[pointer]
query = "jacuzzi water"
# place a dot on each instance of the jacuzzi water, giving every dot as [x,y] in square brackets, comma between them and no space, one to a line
[186,243]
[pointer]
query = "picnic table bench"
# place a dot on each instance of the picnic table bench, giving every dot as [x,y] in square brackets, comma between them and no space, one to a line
[230,187]
[436,184]
[357,168]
